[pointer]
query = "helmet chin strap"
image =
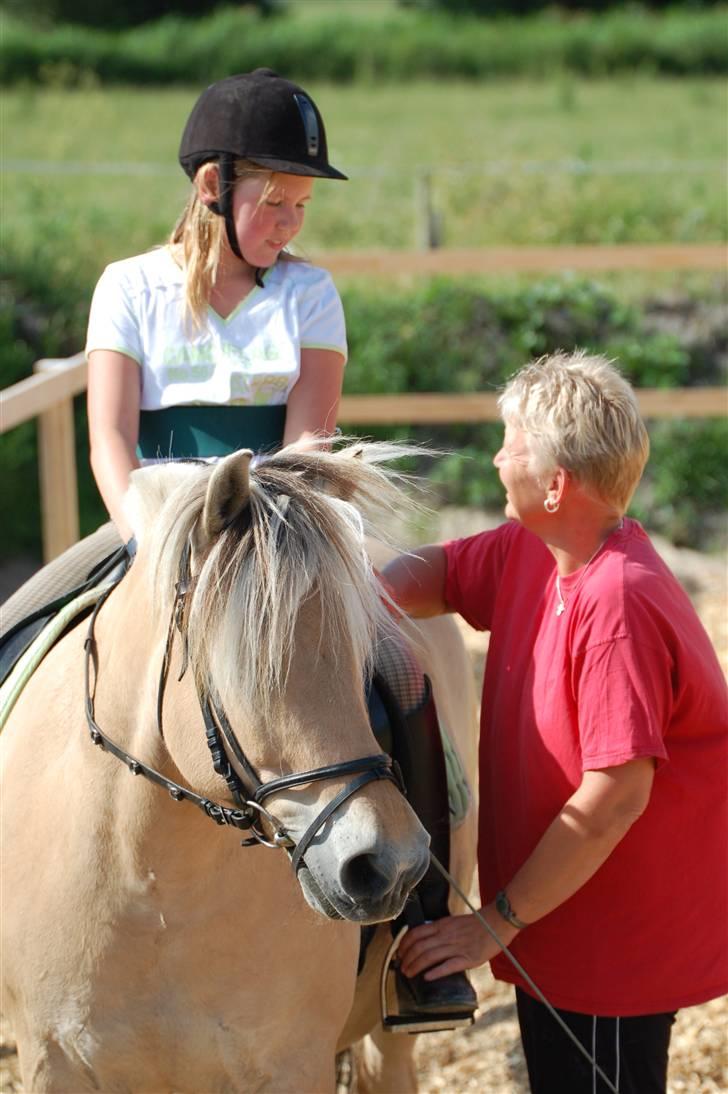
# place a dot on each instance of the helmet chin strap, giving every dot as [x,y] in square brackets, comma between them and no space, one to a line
[224,208]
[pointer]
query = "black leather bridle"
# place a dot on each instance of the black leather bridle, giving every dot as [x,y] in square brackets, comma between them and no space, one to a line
[249,810]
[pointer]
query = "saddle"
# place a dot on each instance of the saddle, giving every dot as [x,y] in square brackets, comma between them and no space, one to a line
[15,642]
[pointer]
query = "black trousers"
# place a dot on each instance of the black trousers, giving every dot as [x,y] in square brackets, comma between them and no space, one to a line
[632,1052]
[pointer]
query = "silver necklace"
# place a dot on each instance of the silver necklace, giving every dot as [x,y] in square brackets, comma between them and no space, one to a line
[561,606]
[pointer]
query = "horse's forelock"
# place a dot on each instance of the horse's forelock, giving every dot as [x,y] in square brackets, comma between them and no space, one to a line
[300,543]
[301,535]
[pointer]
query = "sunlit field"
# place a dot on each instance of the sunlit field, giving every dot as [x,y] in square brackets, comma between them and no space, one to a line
[90,174]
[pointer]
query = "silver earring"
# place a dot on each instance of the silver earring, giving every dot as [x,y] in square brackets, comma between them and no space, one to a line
[550,505]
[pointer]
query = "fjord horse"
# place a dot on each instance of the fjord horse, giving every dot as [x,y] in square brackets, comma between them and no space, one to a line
[143,949]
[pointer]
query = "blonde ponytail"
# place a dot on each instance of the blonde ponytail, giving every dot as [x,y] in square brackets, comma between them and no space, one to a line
[197,240]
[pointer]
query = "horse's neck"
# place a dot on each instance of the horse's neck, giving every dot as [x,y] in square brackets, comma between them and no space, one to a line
[130,646]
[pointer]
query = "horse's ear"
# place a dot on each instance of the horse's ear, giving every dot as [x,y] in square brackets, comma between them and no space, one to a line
[228,494]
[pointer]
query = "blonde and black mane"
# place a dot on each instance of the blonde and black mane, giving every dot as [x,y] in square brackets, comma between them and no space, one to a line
[299,534]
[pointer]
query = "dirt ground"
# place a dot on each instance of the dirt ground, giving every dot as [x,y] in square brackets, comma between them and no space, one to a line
[487,1057]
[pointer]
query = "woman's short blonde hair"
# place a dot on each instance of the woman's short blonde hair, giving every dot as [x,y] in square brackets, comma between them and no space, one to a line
[581,414]
[197,240]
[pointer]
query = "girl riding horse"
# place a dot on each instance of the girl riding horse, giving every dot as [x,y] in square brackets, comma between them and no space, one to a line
[222,339]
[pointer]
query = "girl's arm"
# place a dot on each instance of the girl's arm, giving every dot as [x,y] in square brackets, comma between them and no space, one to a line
[314,401]
[114,398]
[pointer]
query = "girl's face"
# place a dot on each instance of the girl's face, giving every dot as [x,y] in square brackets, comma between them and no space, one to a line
[268,213]
[524,494]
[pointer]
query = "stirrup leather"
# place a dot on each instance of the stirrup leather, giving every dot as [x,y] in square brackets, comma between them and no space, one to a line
[402,1023]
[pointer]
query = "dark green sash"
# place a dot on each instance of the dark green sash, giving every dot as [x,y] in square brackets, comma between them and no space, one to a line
[179,432]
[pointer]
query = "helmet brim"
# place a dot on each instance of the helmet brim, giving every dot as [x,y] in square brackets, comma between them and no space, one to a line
[289,167]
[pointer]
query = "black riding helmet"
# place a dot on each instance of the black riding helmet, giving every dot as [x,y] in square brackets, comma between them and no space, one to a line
[256,116]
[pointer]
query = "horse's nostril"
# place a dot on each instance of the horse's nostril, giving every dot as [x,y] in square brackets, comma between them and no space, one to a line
[363,878]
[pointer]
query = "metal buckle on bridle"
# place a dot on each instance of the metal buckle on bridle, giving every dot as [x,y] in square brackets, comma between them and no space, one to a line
[280,836]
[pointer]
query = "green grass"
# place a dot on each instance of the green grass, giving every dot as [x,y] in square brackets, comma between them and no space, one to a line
[492,150]
[494,153]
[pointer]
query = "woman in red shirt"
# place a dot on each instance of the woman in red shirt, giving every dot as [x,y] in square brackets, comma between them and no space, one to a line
[604,744]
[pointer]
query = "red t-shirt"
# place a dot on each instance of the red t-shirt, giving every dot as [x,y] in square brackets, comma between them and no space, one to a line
[626,671]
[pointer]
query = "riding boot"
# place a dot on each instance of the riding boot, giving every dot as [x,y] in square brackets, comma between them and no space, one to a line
[417,749]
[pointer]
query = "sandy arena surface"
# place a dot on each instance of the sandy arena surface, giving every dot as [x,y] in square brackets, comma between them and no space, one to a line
[487,1057]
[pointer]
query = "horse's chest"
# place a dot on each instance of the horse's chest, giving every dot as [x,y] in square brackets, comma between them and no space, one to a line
[158,1043]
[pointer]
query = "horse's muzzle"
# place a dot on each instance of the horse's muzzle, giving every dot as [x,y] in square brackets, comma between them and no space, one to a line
[366,887]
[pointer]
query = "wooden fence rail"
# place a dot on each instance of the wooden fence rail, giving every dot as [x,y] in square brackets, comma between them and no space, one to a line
[600,258]
[448,409]
[48,395]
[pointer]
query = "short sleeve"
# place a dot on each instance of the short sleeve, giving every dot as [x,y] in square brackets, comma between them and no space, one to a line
[474,570]
[624,698]
[113,323]
[321,315]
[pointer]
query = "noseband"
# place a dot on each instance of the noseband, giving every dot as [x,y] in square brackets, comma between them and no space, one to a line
[250,811]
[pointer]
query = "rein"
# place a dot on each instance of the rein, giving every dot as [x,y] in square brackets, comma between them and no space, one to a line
[250,811]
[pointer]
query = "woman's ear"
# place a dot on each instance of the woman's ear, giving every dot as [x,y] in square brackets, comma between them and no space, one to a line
[557,486]
[207,181]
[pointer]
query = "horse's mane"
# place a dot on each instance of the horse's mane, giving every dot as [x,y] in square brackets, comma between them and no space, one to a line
[301,535]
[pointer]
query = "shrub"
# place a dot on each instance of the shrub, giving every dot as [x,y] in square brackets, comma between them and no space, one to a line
[339,47]
[123,13]
[445,335]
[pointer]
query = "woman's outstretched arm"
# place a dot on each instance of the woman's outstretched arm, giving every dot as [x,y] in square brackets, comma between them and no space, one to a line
[416,582]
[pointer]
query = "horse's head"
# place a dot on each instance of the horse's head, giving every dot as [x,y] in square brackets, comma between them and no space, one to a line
[280,612]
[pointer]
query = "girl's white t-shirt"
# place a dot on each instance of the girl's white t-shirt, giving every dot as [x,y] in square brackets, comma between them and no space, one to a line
[251,358]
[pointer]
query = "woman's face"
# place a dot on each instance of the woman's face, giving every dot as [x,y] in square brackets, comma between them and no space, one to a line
[268,213]
[524,494]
